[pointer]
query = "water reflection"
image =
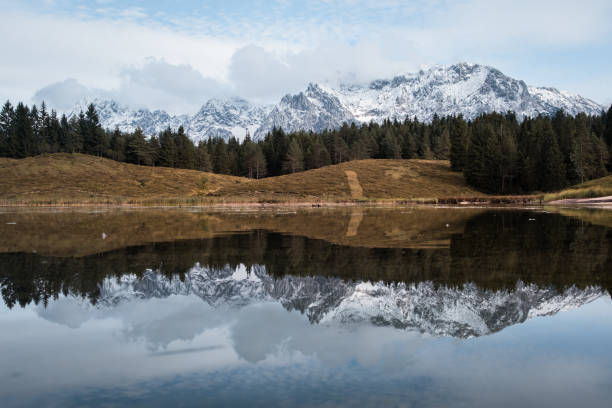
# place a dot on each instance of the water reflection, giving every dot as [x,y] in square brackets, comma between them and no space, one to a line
[246,315]
[495,250]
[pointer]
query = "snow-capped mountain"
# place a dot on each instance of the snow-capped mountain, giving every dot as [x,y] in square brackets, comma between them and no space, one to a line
[226,118]
[442,311]
[467,89]
[216,118]
[113,114]
[314,109]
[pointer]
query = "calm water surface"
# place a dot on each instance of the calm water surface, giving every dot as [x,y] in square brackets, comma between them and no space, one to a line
[417,307]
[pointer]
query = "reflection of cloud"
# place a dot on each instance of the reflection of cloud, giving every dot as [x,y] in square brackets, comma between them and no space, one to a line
[255,339]
[185,351]
[160,322]
[68,311]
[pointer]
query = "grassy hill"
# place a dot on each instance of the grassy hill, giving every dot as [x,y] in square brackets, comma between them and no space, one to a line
[361,180]
[80,179]
[601,187]
[77,178]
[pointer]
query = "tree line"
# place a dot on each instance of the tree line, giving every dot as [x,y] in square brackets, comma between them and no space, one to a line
[496,152]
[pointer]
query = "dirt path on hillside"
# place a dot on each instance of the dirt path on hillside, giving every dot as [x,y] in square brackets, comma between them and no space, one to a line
[353,182]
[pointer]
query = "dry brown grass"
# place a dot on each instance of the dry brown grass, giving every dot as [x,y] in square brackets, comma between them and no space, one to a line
[77,178]
[378,179]
[80,179]
[600,187]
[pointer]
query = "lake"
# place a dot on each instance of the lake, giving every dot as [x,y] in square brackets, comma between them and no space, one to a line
[407,307]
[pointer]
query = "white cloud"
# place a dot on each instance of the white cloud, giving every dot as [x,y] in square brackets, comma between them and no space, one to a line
[62,95]
[175,61]
[95,52]
[157,84]
[177,87]
[261,74]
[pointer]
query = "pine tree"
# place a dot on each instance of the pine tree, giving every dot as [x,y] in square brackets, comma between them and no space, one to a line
[94,137]
[529,144]
[233,156]
[23,141]
[607,137]
[53,132]
[409,146]
[154,149]
[318,156]
[459,143]
[424,143]
[220,160]
[340,151]
[45,135]
[441,149]
[552,166]
[167,149]
[294,160]
[7,118]
[255,162]
[73,133]
[507,159]
[185,150]
[482,169]
[390,147]
[203,158]
[275,149]
[581,154]
[359,149]
[138,150]
[117,145]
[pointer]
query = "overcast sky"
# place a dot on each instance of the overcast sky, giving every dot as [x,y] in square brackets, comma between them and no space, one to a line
[159,54]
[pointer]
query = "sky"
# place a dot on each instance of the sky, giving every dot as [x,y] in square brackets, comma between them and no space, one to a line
[176,55]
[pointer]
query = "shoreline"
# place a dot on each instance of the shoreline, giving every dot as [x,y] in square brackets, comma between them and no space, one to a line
[600,202]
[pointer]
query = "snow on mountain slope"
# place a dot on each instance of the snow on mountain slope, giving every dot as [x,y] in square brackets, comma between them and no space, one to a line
[226,118]
[113,114]
[442,311]
[315,109]
[467,89]
[216,118]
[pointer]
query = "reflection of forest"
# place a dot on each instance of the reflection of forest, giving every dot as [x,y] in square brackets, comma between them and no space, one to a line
[495,250]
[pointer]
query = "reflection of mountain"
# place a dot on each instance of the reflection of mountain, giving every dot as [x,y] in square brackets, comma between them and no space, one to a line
[459,312]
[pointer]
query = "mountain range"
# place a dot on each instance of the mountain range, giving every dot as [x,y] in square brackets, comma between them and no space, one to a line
[466,89]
